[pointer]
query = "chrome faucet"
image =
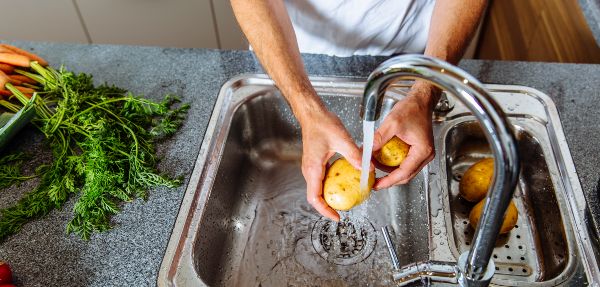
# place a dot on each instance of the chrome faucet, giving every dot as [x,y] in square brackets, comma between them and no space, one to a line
[474,268]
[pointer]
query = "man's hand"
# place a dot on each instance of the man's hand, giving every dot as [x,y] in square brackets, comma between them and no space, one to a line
[323,135]
[409,120]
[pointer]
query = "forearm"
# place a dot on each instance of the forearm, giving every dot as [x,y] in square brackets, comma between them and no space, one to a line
[453,24]
[269,30]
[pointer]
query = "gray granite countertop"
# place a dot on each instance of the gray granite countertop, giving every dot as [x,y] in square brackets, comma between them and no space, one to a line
[131,253]
[591,11]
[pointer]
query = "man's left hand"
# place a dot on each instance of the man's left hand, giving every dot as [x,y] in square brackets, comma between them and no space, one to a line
[409,120]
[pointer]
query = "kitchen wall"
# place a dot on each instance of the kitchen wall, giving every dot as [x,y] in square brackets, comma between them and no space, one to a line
[168,23]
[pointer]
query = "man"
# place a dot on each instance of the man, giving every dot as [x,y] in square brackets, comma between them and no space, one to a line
[440,29]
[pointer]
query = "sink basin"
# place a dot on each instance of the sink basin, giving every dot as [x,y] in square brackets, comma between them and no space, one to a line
[539,248]
[245,220]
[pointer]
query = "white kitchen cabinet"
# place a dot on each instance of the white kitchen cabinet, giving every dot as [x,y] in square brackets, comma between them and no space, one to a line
[168,23]
[41,20]
[230,35]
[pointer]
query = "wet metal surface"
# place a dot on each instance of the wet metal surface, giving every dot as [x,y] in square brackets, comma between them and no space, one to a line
[345,242]
[248,223]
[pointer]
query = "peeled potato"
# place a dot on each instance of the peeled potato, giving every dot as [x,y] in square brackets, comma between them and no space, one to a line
[476,181]
[393,152]
[341,187]
[510,217]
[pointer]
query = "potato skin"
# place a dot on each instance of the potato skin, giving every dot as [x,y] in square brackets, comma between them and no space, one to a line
[341,186]
[510,217]
[476,181]
[392,153]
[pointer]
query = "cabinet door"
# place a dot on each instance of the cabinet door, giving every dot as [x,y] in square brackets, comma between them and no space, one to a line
[168,23]
[41,20]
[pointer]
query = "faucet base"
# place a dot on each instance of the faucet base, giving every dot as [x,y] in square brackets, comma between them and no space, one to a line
[465,281]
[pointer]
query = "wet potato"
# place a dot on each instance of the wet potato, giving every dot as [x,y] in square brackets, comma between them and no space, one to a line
[510,217]
[474,186]
[341,186]
[476,181]
[392,153]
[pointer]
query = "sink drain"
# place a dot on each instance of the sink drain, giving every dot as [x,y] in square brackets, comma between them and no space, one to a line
[346,242]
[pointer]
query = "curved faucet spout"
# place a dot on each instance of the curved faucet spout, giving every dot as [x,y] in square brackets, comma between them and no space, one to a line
[470,92]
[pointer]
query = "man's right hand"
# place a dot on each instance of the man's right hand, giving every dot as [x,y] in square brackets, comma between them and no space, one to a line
[269,30]
[323,135]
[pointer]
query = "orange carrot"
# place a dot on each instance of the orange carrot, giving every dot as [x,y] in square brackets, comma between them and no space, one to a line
[14,59]
[25,90]
[22,79]
[14,82]
[6,93]
[29,55]
[6,68]
[3,80]
[6,50]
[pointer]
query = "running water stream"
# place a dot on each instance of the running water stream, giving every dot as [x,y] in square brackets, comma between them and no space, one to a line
[368,133]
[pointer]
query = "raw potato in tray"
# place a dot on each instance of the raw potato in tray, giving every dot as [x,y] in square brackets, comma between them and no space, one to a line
[474,186]
[476,181]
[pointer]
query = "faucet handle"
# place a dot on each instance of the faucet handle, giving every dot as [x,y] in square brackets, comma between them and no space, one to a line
[443,106]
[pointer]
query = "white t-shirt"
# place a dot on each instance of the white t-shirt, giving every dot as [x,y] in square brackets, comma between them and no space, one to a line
[360,27]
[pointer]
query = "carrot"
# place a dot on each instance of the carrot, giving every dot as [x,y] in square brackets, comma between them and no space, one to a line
[6,93]
[8,69]
[22,79]
[6,50]
[25,90]
[3,80]
[29,55]
[14,82]
[14,59]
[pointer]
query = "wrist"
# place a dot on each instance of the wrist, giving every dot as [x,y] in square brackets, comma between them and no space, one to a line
[426,92]
[307,108]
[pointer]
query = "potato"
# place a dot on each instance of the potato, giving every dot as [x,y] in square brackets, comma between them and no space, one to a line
[510,217]
[341,187]
[476,181]
[392,153]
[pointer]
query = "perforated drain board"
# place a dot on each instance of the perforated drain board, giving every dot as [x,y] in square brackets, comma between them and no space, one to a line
[515,252]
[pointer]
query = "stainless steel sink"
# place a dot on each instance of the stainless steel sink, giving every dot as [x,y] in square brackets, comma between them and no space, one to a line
[245,220]
[539,248]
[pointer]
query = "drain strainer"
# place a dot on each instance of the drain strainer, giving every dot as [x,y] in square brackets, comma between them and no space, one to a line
[346,242]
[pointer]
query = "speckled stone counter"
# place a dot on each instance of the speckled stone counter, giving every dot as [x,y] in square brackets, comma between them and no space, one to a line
[591,11]
[130,254]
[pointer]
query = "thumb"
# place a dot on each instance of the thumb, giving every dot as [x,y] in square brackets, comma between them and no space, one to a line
[377,140]
[351,153]
[385,132]
[382,135]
